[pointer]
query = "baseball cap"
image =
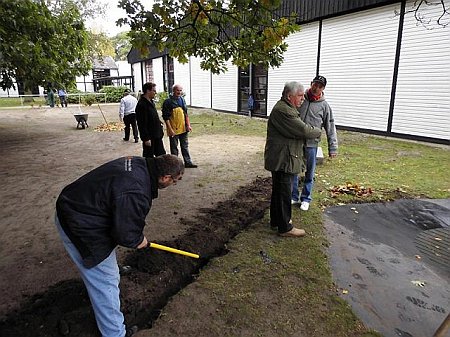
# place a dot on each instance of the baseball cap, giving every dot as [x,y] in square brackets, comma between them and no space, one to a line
[320,79]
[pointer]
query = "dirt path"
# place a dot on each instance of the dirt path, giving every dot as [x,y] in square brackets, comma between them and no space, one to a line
[42,151]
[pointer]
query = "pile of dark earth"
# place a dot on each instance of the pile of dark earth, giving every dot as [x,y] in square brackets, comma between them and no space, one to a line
[64,309]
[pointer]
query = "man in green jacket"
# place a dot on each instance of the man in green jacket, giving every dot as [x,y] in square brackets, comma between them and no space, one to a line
[283,155]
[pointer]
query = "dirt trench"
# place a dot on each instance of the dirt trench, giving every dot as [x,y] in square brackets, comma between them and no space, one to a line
[64,309]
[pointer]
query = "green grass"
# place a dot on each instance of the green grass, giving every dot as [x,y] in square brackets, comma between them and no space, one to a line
[7,102]
[295,294]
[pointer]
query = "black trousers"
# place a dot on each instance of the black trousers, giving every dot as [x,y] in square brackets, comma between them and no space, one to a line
[130,120]
[280,202]
[155,150]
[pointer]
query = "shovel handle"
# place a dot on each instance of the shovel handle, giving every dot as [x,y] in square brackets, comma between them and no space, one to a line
[172,250]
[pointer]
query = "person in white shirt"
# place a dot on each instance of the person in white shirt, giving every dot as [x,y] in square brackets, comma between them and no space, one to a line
[127,115]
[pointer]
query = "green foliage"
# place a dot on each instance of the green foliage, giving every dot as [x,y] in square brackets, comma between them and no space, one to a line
[100,45]
[243,31]
[113,94]
[160,98]
[88,100]
[41,47]
[122,46]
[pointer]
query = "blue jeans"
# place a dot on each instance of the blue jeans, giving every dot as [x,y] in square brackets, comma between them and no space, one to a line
[183,138]
[310,156]
[102,284]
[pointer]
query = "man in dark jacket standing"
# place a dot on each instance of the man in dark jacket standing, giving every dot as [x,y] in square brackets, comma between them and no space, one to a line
[105,208]
[283,155]
[149,124]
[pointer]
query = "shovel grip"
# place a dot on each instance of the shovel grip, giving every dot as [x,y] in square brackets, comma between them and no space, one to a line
[172,250]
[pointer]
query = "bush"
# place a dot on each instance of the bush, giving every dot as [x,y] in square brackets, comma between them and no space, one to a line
[75,98]
[160,98]
[113,94]
[89,100]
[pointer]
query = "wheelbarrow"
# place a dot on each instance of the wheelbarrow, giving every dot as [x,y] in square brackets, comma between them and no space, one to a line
[82,120]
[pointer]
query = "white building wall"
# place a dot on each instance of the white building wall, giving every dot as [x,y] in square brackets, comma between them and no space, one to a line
[357,58]
[182,77]
[422,101]
[224,89]
[200,85]
[299,64]
[84,83]
[10,92]
[300,60]
[124,68]
[158,74]
[137,76]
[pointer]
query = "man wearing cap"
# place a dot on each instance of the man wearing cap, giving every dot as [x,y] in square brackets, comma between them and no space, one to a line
[314,111]
[128,116]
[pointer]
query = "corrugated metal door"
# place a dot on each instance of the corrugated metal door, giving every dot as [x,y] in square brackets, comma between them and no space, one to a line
[300,62]
[137,76]
[200,85]
[182,77]
[357,58]
[224,89]
[158,75]
[420,107]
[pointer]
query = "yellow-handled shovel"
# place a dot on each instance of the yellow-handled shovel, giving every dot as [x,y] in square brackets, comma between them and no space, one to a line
[172,250]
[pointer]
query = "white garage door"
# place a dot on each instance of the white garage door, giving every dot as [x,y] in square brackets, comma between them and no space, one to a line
[200,85]
[224,89]
[182,77]
[300,60]
[357,58]
[422,102]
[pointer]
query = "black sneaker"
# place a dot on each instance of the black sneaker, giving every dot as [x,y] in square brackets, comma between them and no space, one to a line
[190,165]
[126,139]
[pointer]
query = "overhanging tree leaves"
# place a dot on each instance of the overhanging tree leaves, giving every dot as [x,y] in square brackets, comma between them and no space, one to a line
[38,47]
[243,31]
[122,45]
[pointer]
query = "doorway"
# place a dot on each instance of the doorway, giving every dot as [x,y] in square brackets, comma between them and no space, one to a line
[253,90]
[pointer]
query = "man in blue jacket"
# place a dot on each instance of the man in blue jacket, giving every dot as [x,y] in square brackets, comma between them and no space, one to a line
[105,208]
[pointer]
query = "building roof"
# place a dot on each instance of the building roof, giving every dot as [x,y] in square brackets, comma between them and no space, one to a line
[106,63]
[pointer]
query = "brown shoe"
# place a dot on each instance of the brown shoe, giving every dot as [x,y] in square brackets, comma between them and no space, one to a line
[294,233]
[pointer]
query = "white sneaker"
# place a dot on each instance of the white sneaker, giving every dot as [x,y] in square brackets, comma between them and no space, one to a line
[304,206]
[295,202]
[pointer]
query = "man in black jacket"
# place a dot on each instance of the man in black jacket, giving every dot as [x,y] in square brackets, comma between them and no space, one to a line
[105,208]
[149,124]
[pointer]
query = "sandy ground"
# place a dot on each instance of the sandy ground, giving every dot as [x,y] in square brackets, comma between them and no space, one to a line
[42,151]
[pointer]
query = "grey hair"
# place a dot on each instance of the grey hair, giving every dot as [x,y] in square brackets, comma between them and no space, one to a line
[176,86]
[292,88]
[169,165]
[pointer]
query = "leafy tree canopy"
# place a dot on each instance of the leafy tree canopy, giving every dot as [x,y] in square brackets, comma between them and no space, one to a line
[122,45]
[38,46]
[243,31]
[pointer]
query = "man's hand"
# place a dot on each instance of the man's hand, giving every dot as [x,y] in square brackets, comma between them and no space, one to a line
[143,244]
[148,142]
[333,155]
[189,128]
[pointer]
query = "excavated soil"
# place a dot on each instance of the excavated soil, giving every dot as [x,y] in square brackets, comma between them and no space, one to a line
[42,151]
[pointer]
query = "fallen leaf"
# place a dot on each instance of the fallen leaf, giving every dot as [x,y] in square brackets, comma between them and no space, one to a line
[419,283]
